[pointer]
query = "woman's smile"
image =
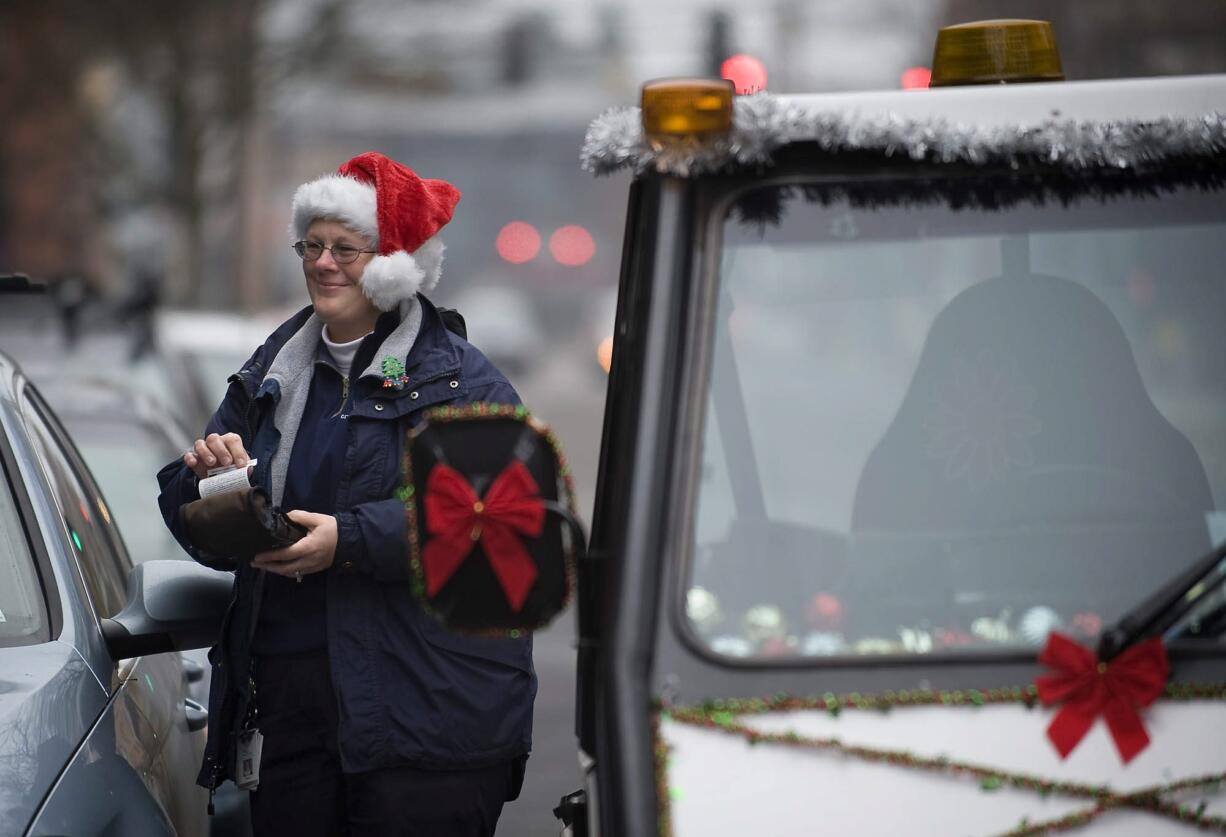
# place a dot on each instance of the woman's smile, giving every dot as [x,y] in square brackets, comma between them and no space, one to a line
[332,288]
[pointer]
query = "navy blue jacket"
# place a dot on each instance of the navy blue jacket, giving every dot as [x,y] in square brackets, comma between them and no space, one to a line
[409,691]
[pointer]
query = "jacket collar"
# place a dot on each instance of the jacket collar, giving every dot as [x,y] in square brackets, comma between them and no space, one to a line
[432,354]
[364,357]
[253,372]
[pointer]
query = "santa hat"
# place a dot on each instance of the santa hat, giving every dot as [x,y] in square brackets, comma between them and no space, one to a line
[398,211]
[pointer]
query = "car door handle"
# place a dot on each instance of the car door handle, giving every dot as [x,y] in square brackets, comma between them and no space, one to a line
[197,715]
[192,670]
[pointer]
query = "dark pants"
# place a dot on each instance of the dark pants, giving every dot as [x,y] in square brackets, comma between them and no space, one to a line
[303,791]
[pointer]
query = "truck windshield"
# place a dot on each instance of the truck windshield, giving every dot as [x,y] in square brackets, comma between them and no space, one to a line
[931,429]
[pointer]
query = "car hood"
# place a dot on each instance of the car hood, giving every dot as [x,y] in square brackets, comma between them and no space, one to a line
[49,699]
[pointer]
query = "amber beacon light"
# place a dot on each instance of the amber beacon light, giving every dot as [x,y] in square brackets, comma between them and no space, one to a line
[695,107]
[996,52]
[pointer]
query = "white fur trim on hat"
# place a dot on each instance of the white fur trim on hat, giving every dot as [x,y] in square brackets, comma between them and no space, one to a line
[389,280]
[429,257]
[335,197]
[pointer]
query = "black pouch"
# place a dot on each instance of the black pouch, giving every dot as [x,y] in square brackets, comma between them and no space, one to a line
[491,525]
[238,524]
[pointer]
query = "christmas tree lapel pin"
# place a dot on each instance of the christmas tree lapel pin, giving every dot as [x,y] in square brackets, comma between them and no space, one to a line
[393,374]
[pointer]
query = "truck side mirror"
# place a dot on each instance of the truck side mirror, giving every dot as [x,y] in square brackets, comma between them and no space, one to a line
[491,524]
[173,605]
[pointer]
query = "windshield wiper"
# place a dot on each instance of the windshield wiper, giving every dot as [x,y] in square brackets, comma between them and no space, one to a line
[1162,609]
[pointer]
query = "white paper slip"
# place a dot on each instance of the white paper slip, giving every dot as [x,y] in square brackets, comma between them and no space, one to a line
[228,479]
[250,748]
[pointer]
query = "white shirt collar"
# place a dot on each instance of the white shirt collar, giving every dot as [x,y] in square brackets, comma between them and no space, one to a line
[342,353]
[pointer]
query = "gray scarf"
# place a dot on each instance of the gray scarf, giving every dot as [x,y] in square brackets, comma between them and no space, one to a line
[294,366]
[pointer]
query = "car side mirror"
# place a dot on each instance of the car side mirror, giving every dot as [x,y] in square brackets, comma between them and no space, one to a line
[172,605]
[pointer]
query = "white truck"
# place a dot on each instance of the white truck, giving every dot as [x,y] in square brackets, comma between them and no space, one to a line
[910,509]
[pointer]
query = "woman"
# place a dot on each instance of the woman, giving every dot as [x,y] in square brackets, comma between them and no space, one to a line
[373,718]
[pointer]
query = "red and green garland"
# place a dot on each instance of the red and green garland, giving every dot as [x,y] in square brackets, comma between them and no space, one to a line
[989,778]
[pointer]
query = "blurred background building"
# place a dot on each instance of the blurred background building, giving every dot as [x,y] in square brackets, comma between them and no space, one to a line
[149,150]
[154,138]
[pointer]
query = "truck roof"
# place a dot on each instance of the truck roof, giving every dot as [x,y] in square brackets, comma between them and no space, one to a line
[1118,125]
[1034,104]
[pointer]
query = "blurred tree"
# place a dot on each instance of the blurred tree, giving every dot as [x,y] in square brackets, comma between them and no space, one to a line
[66,64]
[75,163]
[45,158]
[198,63]
[719,42]
[518,51]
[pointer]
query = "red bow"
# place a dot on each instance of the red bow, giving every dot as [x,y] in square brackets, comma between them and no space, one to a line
[458,519]
[1089,688]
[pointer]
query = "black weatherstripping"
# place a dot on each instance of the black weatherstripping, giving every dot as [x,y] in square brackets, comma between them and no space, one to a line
[1164,608]
[30,531]
[618,612]
[618,433]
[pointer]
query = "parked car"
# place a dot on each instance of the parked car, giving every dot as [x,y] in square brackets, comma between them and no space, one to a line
[125,437]
[504,324]
[201,350]
[99,733]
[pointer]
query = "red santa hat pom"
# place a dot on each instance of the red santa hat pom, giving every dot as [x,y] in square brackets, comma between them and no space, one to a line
[398,211]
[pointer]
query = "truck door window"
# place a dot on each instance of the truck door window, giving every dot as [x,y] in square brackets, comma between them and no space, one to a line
[962,428]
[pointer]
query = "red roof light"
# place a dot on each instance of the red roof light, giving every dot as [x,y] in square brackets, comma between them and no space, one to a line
[572,245]
[518,242]
[747,74]
[916,78]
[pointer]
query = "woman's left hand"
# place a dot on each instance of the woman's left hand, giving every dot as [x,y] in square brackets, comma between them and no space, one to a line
[312,554]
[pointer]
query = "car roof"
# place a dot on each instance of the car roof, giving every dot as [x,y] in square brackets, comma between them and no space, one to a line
[210,331]
[99,400]
[75,399]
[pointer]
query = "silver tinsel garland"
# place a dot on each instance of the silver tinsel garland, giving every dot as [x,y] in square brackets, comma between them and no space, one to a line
[763,123]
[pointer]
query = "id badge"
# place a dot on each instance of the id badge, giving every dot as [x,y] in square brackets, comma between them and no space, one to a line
[247,762]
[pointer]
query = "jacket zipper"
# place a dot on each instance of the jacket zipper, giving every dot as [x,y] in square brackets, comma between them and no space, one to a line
[344,396]
[345,391]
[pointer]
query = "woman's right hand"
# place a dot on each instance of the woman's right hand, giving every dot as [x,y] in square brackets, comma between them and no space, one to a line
[215,451]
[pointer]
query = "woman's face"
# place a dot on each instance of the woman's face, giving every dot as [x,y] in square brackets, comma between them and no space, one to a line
[334,288]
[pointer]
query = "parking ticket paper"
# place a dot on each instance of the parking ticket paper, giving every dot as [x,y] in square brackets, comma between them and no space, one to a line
[222,480]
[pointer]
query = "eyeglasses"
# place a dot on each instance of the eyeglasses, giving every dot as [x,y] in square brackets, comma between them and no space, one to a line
[310,251]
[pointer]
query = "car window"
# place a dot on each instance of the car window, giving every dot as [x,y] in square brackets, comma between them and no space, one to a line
[125,459]
[22,613]
[931,427]
[86,516]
